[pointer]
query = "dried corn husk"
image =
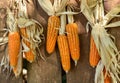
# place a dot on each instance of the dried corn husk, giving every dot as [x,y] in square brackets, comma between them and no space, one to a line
[106,47]
[99,78]
[53,9]
[63,24]
[3,40]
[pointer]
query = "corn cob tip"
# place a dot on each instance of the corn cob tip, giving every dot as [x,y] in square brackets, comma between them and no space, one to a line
[75,62]
[31,61]
[93,66]
[16,73]
[66,71]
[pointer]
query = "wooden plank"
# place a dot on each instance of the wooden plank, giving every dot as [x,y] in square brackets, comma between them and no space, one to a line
[48,71]
[4,79]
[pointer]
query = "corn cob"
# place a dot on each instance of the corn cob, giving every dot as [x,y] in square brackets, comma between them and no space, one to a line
[13,47]
[64,52]
[73,39]
[29,54]
[107,78]
[93,56]
[52,32]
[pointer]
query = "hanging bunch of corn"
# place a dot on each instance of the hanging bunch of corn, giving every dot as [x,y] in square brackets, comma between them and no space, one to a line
[63,45]
[72,36]
[53,21]
[19,26]
[109,54]
[31,32]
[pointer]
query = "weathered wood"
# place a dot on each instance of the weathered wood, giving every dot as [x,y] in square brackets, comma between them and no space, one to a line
[48,71]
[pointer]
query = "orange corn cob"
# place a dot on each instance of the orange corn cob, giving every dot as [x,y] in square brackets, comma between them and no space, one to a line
[64,52]
[107,78]
[13,47]
[28,55]
[73,39]
[52,33]
[93,56]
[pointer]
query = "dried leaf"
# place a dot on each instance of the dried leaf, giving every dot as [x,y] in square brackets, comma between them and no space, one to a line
[47,6]
[54,9]
[114,24]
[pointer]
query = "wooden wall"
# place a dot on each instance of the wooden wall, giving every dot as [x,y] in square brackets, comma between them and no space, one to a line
[51,71]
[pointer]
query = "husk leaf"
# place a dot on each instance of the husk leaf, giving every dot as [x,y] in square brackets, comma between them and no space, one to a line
[53,9]
[63,24]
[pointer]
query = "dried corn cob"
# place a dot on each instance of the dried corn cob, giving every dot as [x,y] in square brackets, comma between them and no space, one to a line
[73,39]
[29,54]
[64,52]
[14,41]
[93,56]
[13,47]
[52,33]
[63,45]
[107,78]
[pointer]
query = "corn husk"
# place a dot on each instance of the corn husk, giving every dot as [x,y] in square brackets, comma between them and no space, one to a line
[11,21]
[99,74]
[107,49]
[53,9]
[3,40]
[63,24]
[5,64]
[70,16]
